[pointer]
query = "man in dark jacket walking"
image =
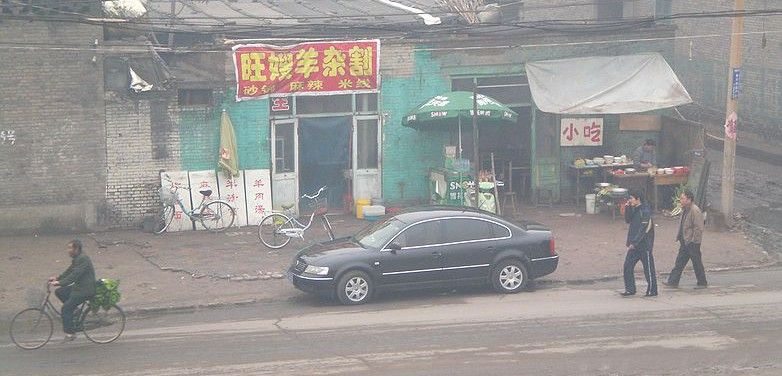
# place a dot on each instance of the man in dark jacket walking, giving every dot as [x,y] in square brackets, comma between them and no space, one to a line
[689,237]
[77,284]
[640,241]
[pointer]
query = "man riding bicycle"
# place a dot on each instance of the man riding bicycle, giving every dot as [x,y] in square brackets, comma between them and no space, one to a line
[77,284]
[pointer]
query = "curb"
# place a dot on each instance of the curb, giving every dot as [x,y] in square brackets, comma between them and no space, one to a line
[131,311]
[609,278]
[134,311]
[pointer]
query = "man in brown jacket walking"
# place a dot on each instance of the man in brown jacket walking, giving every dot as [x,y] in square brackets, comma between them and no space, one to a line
[689,237]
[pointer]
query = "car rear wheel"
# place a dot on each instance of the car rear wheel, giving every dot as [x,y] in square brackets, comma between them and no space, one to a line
[509,276]
[355,287]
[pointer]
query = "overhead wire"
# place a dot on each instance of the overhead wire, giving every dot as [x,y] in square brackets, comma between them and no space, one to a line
[560,26]
[108,49]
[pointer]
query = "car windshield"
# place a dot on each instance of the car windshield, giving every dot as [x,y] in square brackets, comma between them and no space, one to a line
[379,234]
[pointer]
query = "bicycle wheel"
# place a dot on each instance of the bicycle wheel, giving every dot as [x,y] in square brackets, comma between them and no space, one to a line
[103,325]
[269,230]
[163,218]
[217,216]
[31,328]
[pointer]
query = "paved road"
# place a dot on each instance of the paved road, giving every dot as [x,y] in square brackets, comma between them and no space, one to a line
[733,328]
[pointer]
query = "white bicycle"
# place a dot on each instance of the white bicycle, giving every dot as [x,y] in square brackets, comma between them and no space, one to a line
[214,215]
[277,229]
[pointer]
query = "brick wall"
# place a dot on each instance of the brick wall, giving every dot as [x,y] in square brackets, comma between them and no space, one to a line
[54,175]
[145,136]
[142,138]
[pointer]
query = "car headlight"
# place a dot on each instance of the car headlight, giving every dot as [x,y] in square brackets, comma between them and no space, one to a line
[317,270]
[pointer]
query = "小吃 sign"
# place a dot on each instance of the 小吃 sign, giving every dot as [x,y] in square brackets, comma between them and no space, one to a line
[581,132]
[311,68]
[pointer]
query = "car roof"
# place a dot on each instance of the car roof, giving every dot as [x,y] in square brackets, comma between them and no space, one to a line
[420,213]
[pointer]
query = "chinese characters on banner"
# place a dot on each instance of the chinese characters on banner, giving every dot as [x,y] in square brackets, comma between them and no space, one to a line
[181,221]
[581,132]
[232,191]
[307,68]
[257,184]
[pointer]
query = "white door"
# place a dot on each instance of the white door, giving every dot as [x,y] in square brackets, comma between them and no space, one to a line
[366,157]
[285,163]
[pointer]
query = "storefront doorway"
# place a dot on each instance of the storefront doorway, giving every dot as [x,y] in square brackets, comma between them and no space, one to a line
[324,156]
[325,140]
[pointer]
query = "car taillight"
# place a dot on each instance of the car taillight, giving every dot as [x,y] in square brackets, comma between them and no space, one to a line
[551,247]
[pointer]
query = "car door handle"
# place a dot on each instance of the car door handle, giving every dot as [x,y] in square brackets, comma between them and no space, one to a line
[437,254]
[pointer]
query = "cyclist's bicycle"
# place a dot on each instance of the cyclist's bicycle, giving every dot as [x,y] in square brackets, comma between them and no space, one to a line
[33,327]
[277,229]
[214,215]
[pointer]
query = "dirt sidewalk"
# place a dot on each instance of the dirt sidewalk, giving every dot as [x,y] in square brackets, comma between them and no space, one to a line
[200,269]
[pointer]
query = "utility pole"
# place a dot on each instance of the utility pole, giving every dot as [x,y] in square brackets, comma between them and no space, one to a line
[171,25]
[731,114]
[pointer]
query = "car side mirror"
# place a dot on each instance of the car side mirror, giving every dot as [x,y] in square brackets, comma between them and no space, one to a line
[393,247]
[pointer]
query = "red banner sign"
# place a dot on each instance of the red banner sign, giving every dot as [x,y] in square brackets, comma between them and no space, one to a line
[311,68]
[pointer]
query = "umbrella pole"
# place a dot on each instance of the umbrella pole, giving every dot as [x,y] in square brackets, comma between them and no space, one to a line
[461,186]
[475,154]
[460,138]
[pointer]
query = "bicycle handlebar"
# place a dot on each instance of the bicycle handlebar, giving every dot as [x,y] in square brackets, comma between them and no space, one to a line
[323,188]
[177,185]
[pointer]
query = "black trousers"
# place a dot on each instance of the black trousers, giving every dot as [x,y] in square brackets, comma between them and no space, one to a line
[69,304]
[688,252]
[644,254]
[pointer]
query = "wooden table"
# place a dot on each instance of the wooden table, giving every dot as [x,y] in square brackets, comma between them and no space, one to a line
[592,171]
[632,181]
[659,180]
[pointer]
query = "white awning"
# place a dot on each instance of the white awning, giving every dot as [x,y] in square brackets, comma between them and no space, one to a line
[605,84]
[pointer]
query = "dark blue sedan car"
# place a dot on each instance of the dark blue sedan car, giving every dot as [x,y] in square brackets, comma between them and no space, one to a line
[425,248]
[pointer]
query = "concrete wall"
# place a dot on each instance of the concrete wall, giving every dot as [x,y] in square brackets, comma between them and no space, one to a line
[53,176]
[702,63]
[538,10]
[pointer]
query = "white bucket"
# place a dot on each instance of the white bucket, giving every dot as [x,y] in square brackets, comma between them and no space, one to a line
[590,203]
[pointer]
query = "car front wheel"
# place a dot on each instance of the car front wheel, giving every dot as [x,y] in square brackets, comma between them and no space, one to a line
[355,287]
[509,276]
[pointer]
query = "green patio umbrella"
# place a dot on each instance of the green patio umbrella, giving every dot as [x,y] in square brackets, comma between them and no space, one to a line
[453,108]
[229,160]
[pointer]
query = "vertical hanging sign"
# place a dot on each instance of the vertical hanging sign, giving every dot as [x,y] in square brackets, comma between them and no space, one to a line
[736,83]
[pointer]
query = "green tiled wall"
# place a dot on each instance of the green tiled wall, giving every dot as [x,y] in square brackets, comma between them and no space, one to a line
[408,153]
[199,132]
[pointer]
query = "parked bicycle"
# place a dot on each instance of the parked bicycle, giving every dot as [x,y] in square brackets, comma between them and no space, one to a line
[214,215]
[33,327]
[277,229]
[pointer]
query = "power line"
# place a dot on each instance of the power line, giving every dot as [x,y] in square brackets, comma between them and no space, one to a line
[562,26]
[547,25]
[118,49]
